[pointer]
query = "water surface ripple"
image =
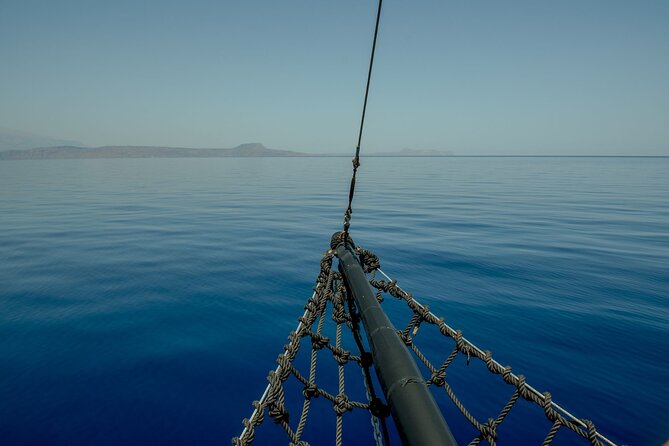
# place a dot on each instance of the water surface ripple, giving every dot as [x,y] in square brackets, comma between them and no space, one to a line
[144,301]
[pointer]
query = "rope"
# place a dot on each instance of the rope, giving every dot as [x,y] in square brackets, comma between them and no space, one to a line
[330,292]
[463,345]
[356,160]
[487,430]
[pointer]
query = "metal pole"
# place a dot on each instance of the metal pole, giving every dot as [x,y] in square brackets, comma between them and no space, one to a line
[417,417]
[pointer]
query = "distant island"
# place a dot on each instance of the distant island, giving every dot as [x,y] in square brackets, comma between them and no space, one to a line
[74,152]
[248,150]
[18,145]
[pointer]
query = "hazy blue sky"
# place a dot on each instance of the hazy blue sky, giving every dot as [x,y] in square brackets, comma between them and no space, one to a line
[474,77]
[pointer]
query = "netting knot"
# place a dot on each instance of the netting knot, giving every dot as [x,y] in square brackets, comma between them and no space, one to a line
[506,375]
[319,341]
[370,261]
[311,307]
[305,322]
[462,345]
[278,413]
[592,432]
[438,379]
[342,356]
[489,430]
[487,359]
[310,391]
[339,311]
[260,413]
[285,365]
[341,404]
[424,313]
[248,437]
[522,388]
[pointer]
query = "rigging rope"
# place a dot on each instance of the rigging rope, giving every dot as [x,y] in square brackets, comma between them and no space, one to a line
[356,160]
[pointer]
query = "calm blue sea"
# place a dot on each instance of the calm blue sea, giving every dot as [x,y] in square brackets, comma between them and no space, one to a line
[144,301]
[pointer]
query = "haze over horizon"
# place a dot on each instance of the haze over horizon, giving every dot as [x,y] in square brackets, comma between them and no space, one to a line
[484,78]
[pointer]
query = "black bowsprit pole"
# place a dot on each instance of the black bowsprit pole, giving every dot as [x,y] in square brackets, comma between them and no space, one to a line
[417,416]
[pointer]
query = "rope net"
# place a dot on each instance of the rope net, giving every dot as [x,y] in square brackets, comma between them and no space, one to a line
[331,303]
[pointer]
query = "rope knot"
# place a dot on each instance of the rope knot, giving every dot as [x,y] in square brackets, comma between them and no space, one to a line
[370,261]
[285,364]
[546,404]
[341,404]
[487,358]
[310,391]
[339,311]
[462,346]
[424,313]
[506,375]
[489,430]
[438,379]
[260,413]
[522,387]
[305,322]
[319,341]
[276,407]
[248,437]
[592,432]
[278,414]
[342,356]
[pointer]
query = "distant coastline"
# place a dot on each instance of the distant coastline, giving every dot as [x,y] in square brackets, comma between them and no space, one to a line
[74,152]
[249,150]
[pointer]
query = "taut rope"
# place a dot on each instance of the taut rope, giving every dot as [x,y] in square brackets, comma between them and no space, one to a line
[356,160]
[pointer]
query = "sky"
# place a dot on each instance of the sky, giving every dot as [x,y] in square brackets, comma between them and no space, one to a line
[586,77]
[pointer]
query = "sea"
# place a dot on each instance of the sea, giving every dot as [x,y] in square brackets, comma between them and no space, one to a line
[144,301]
